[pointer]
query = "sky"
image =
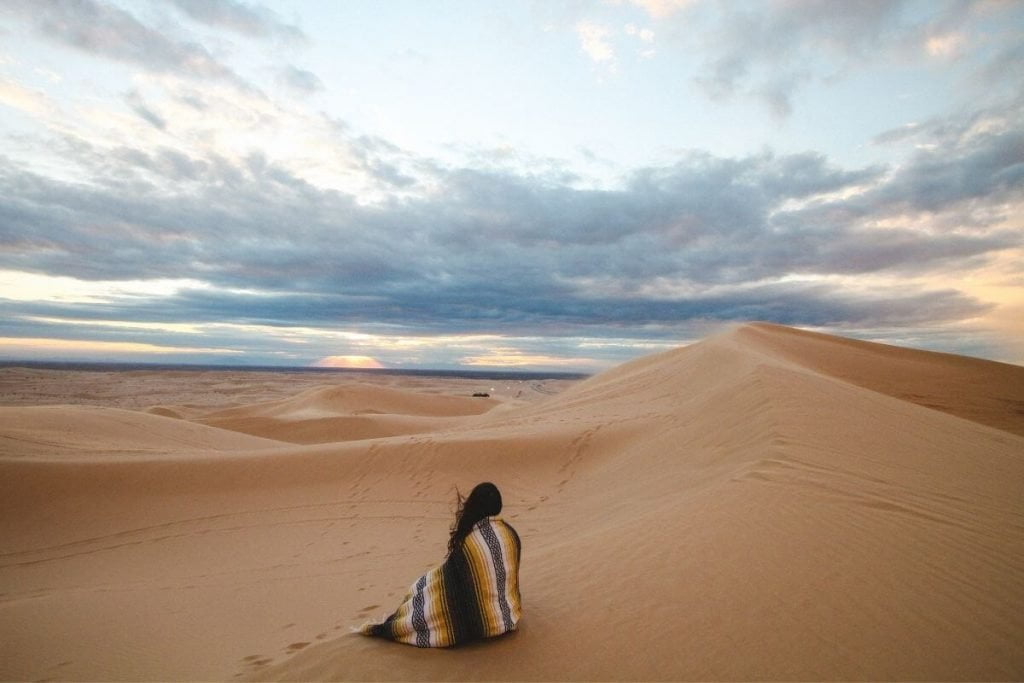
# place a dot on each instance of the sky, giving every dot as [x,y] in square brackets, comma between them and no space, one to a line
[549,185]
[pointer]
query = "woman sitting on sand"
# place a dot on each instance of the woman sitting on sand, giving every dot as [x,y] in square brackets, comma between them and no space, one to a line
[474,593]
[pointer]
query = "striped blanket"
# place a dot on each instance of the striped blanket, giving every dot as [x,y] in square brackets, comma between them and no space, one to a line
[474,594]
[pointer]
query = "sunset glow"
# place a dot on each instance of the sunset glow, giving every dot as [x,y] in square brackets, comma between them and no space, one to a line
[35,348]
[356,362]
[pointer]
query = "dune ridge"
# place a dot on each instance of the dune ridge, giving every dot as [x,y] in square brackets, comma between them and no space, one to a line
[765,504]
[984,391]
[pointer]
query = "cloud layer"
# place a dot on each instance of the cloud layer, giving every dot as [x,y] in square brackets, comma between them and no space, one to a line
[274,215]
[488,251]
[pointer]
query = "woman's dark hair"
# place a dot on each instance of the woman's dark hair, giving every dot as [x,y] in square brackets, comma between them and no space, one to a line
[483,501]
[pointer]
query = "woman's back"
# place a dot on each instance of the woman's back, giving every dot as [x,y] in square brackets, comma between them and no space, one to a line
[473,594]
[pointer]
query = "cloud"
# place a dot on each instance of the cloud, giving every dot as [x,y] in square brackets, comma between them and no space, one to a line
[772,51]
[29,347]
[660,9]
[644,35]
[28,100]
[251,239]
[450,311]
[899,134]
[990,166]
[249,212]
[135,101]
[252,223]
[103,30]
[947,45]
[247,19]
[594,41]
[299,80]
[508,357]
[769,50]
[998,116]
[646,38]
[1005,67]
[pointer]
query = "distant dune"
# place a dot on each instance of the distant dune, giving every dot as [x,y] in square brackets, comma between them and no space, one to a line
[768,503]
[75,432]
[331,414]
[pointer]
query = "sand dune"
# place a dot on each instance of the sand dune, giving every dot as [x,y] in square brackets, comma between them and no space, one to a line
[62,432]
[331,429]
[979,390]
[361,400]
[349,413]
[766,504]
[192,394]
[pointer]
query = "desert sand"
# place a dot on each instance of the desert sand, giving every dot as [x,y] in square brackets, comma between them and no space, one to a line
[768,503]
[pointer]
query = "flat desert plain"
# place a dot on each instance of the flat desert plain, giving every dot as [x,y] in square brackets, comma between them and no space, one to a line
[768,503]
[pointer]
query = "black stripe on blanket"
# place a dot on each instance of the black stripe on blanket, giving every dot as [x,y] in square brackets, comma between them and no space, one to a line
[384,630]
[499,573]
[418,620]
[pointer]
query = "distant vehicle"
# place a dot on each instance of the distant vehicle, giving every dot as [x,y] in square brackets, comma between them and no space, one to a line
[481,394]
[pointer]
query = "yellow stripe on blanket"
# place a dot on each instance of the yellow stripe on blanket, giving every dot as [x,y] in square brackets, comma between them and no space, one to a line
[473,594]
[477,553]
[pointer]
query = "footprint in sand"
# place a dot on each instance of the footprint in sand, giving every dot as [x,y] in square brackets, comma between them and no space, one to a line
[257,660]
[366,610]
[295,647]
